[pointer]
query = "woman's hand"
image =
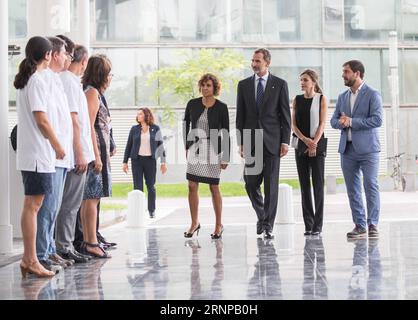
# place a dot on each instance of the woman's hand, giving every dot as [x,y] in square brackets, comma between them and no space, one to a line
[311,152]
[163,168]
[310,143]
[224,165]
[125,168]
[98,165]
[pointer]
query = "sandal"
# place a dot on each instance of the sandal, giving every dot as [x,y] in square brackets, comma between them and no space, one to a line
[103,241]
[94,245]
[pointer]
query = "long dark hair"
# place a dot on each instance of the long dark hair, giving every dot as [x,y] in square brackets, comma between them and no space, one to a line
[35,51]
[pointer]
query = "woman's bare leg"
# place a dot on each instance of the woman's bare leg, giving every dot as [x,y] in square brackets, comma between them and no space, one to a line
[217,206]
[194,204]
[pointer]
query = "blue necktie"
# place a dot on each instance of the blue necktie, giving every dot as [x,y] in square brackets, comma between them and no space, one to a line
[260,93]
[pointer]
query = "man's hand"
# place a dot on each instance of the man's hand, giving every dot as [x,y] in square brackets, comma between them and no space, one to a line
[284,149]
[59,153]
[125,168]
[80,165]
[344,120]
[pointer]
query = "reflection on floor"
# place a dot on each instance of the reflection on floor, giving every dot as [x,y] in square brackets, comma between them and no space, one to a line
[158,263]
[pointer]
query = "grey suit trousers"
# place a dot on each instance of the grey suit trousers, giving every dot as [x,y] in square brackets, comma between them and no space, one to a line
[67,215]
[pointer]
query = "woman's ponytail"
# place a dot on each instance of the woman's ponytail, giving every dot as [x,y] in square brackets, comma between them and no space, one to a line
[35,52]
[26,69]
[318,88]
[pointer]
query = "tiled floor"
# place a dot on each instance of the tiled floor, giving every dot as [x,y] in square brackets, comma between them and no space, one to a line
[159,263]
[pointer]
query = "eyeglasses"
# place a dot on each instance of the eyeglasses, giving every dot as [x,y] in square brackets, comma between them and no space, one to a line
[70,56]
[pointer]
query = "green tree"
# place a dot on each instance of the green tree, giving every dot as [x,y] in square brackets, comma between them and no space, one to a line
[180,81]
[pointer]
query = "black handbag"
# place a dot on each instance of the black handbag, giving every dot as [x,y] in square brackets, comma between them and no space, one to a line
[13,138]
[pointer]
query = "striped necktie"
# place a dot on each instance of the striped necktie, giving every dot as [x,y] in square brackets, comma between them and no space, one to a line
[260,93]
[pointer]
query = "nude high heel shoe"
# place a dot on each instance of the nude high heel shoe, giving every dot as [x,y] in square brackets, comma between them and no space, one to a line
[30,268]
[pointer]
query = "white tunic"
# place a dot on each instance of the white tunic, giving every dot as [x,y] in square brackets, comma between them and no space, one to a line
[34,152]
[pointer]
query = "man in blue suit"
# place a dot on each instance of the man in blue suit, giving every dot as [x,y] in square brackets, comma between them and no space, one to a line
[358,114]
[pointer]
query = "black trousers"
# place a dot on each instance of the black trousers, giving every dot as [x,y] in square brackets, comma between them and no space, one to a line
[265,208]
[315,166]
[145,167]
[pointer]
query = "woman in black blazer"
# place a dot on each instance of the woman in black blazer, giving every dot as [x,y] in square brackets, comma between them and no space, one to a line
[144,147]
[206,137]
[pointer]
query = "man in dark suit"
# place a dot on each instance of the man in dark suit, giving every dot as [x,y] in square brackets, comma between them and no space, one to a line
[263,135]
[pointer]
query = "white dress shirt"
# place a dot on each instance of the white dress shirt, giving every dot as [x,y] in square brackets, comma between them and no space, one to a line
[62,123]
[353,98]
[77,103]
[257,80]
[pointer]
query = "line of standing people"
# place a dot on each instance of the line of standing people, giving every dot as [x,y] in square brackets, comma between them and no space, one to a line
[63,151]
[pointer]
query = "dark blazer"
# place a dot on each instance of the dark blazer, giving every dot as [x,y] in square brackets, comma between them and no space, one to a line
[274,115]
[218,118]
[134,142]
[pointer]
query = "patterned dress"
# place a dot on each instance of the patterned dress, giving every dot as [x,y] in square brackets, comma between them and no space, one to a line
[100,185]
[203,163]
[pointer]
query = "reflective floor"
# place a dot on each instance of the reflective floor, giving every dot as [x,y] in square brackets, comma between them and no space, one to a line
[159,263]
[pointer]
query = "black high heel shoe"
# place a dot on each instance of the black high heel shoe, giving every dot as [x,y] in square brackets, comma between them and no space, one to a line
[189,235]
[217,236]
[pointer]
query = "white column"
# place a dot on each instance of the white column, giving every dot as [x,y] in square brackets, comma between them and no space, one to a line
[83,12]
[6,235]
[16,194]
[394,86]
[48,17]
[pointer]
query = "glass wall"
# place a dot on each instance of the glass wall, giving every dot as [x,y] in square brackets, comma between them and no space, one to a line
[409,21]
[247,21]
[409,79]
[216,21]
[241,21]
[129,84]
[289,64]
[133,20]
[333,20]
[333,61]
[17,19]
[369,20]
